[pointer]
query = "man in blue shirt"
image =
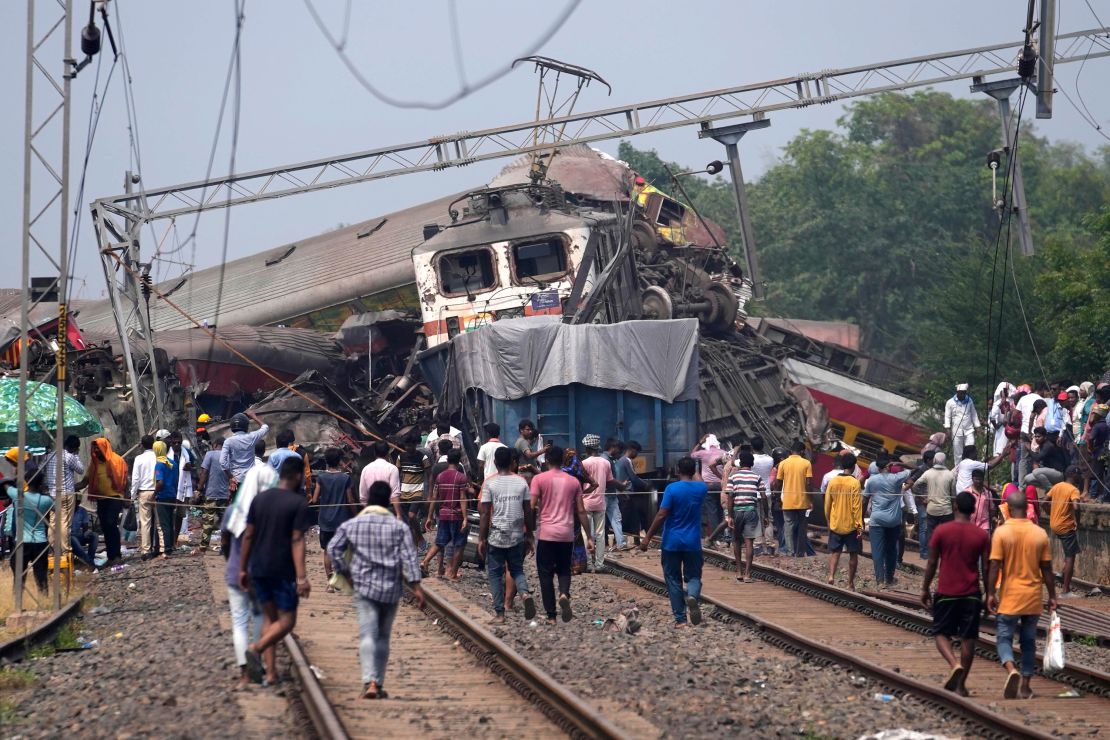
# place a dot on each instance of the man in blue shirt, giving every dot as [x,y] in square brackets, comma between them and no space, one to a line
[884,490]
[237,455]
[680,517]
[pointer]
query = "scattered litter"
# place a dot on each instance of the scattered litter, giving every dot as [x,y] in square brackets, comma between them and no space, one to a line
[90,644]
[533,623]
[320,676]
[629,622]
[435,622]
[119,635]
[883,697]
[99,609]
[119,568]
[599,621]
[1069,694]
[131,585]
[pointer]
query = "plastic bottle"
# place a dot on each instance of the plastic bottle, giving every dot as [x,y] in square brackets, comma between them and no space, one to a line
[883,697]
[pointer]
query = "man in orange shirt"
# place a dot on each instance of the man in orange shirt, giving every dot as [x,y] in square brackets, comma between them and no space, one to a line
[1020,553]
[1063,500]
[794,480]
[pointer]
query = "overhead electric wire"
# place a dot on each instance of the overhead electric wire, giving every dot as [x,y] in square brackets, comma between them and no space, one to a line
[465,90]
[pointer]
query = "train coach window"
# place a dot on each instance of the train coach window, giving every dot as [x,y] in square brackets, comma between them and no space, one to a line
[540,259]
[838,430]
[671,213]
[901,451]
[868,444]
[463,273]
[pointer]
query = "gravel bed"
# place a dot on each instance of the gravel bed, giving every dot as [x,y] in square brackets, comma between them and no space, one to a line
[160,666]
[910,581]
[715,680]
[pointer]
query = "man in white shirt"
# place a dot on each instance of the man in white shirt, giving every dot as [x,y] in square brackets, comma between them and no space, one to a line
[960,421]
[486,451]
[142,492]
[380,469]
[1028,419]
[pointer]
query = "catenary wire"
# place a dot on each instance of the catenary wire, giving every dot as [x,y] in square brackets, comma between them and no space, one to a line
[462,92]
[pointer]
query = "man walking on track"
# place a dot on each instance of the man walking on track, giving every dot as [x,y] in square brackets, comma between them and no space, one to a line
[742,492]
[557,500]
[1063,500]
[680,517]
[962,549]
[1021,555]
[272,560]
[844,513]
[375,551]
[505,536]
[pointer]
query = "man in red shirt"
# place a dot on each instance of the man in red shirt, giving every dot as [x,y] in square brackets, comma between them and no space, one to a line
[962,549]
[557,501]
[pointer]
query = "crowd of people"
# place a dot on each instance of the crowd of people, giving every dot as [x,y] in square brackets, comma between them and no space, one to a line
[399,510]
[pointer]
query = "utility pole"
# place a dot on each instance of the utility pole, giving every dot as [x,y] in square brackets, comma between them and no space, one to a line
[730,136]
[1001,91]
[140,298]
[1047,58]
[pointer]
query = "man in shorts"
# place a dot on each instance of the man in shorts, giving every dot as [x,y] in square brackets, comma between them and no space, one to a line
[844,513]
[1063,500]
[271,563]
[740,497]
[962,549]
[448,500]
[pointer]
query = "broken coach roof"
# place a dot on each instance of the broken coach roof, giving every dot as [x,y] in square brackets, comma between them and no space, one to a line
[291,280]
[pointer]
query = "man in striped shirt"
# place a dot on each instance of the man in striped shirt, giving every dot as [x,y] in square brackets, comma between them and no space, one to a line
[739,499]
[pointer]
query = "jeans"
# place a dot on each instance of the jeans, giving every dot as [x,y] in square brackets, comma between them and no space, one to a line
[553,558]
[780,527]
[797,543]
[679,564]
[246,622]
[1028,639]
[884,552]
[496,559]
[1025,460]
[167,536]
[597,531]
[613,513]
[84,547]
[375,623]
[108,511]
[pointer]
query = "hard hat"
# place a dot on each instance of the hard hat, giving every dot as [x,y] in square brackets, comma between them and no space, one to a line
[12,455]
[204,419]
[240,423]
[162,434]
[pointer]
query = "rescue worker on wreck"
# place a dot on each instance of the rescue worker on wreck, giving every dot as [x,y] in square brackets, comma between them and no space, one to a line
[960,421]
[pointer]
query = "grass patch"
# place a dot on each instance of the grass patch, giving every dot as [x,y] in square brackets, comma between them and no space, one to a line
[13,679]
[64,640]
[7,713]
[1088,640]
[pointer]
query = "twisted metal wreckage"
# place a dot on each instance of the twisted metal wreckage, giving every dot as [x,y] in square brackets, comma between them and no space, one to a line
[347,318]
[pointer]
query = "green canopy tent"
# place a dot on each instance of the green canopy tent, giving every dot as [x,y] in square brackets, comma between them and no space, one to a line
[42,404]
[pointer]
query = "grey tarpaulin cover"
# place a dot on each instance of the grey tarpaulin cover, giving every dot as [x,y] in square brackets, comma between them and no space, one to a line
[514,358]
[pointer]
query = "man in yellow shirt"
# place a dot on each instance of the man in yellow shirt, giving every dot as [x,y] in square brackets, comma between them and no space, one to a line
[794,480]
[1021,555]
[844,513]
[1063,501]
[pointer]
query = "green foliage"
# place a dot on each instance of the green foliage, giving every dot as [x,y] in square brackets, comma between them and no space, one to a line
[1088,640]
[888,222]
[13,679]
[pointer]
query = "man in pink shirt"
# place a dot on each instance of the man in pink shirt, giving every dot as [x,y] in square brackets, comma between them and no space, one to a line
[601,471]
[710,458]
[380,469]
[557,499]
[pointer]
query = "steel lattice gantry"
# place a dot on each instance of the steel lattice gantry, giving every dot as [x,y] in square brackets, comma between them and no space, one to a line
[119,218]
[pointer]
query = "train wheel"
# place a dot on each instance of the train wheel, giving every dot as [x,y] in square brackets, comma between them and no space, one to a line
[656,303]
[725,305]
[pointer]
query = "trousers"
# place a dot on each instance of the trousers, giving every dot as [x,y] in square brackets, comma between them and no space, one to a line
[375,624]
[68,501]
[34,559]
[597,531]
[613,513]
[1027,624]
[496,560]
[246,622]
[553,559]
[211,514]
[884,552]
[679,565]
[167,535]
[108,511]
[147,538]
[794,522]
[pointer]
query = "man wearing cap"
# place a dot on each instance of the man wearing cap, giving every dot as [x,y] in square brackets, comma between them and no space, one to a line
[960,422]
[599,469]
[237,455]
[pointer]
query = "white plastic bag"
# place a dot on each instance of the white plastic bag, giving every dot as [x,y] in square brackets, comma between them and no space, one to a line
[1054,646]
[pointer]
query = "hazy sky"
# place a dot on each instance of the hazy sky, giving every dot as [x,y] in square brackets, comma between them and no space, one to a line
[299,102]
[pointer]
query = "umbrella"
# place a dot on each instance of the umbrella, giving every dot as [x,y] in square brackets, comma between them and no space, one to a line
[42,403]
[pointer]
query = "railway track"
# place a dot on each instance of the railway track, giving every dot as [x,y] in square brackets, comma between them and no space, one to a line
[1076,620]
[448,676]
[890,644]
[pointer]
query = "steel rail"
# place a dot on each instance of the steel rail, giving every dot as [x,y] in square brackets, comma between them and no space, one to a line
[1087,679]
[320,710]
[992,724]
[17,648]
[564,708]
